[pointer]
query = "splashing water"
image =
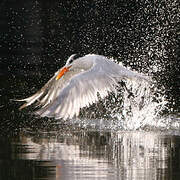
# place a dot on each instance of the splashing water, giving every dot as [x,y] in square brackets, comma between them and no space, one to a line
[139,105]
[141,109]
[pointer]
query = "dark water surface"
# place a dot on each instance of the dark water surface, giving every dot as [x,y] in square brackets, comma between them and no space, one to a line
[36,38]
[67,152]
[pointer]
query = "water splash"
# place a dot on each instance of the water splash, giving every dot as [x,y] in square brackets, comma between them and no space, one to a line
[143,108]
[138,106]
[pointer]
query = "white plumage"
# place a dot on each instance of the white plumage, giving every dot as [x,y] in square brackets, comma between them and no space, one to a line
[78,84]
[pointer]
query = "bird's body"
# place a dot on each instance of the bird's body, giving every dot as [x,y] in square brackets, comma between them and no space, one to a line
[78,84]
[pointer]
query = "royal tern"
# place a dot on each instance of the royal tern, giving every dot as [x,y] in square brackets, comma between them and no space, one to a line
[78,84]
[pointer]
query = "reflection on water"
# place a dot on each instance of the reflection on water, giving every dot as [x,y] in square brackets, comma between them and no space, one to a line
[84,154]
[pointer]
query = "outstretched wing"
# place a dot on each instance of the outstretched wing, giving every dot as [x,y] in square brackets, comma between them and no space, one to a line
[44,95]
[82,90]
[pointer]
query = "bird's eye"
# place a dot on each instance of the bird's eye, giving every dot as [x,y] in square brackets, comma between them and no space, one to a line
[70,61]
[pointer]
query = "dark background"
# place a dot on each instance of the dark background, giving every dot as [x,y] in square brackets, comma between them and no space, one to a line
[36,38]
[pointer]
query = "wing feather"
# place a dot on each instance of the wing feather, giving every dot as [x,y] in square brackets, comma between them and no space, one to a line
[79,93]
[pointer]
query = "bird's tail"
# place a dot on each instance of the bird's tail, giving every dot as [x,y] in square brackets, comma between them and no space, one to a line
[132,75]
[140,77]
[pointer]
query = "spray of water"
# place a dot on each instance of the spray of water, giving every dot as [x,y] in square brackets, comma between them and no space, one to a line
[143,108]
[138,106]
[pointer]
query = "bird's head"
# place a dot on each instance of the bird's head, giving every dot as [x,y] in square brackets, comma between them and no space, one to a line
[67,66]
[70,59]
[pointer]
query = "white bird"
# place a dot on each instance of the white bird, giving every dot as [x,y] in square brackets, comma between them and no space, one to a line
[77,85]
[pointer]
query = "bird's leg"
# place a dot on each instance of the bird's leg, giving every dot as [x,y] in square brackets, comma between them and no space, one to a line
[123,84]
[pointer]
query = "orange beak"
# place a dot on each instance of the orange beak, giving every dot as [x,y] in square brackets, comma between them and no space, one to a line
[62,72]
